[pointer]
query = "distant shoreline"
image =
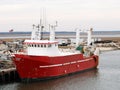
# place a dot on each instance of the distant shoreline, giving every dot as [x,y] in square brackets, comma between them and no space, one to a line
[103,35]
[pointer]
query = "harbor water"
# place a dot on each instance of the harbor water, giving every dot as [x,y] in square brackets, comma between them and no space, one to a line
[105,77]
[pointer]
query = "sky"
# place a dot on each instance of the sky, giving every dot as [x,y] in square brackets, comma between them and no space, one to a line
[20,15]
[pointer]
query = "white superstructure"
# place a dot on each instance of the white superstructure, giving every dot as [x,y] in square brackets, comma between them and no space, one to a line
[42,47]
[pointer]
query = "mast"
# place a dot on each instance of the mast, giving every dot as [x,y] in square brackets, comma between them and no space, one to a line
[77,37]
[52,31]
[42,22]
[37,32]
[35,35]
[41,29]
[89,40]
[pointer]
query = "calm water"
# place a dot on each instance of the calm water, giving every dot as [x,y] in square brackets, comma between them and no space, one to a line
[106,77]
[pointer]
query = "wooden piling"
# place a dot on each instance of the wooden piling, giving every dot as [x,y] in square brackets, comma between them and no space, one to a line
[8,75]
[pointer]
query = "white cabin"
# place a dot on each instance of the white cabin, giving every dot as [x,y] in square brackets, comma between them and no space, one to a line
[42,48]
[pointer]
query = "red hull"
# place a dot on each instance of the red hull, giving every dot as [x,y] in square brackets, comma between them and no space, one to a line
[32,67]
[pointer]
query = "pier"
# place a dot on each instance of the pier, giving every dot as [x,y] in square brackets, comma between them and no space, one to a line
[8,75]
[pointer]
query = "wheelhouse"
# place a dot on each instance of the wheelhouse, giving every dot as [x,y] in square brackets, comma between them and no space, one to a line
[37,47]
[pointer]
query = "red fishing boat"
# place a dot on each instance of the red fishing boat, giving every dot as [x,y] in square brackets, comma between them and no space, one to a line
[43,59]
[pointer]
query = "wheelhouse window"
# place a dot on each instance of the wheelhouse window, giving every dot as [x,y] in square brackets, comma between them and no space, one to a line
[44,45]
[39,45]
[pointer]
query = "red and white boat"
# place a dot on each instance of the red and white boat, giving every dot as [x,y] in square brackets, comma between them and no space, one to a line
[42,59]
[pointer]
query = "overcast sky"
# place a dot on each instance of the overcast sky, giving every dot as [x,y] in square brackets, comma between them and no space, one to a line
[70,14]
